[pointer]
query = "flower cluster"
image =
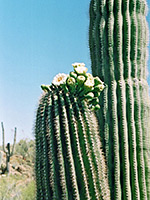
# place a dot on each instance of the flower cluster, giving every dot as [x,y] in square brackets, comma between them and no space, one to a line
[79,83]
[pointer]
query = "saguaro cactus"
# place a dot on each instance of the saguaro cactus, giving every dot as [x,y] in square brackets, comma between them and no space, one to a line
[118,47]
[69,160]
[7,150]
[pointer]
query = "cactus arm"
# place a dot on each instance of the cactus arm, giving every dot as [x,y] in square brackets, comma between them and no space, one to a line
[81,173]
[69,159]
[67,151]
[3,137]
[13,147]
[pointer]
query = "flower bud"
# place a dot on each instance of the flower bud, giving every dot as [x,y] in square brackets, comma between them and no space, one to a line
[90,95]
[45,88]
[99,88]
[97,81]
[71,82]
[97,107]
[73,74]
[80,80]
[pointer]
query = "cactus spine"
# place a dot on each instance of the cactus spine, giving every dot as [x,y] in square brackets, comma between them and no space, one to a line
[69,160]
[118,47]
[9,153]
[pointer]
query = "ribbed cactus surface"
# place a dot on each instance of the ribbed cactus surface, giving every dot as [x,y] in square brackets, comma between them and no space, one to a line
[118,38]
[69,160]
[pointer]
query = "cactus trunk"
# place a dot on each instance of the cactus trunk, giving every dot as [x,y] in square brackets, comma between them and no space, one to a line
[118,48]
[69,160]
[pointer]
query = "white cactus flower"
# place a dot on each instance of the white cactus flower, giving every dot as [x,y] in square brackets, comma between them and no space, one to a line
[90,78]
[89,83]
[81,70]
[60,79]
[78,65]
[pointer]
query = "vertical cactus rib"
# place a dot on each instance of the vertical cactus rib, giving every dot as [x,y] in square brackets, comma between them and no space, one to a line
[61,181]
[126,38]
[125,175]
[86,152]
[44,145]
[101,162]
[121,110]
[96,157]
[91,151]
[140,52]
[77,154]
[52,151]
[67,152]
[132,141]
[104,99]
[37,161]
[145,100]
[145,119]
[113,45]
[110,32]
[142,39]
[119,72]
[118,24]
[114,154]
[97,34]
[39,164]
[92,24]
[128,35]
[134,39]
[146,41]
[139,141]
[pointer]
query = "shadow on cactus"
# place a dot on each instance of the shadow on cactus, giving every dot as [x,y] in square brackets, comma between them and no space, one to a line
[69,161]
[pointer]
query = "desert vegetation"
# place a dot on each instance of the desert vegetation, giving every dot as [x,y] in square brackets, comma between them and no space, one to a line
[19,184]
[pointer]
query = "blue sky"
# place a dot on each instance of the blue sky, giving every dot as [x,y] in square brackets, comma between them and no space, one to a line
[38,39]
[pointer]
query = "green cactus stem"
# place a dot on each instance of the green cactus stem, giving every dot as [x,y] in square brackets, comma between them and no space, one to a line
[118,48]
[69,161]
[9,152]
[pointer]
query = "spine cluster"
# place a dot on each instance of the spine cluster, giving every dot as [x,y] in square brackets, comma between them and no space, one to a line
[118,46]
